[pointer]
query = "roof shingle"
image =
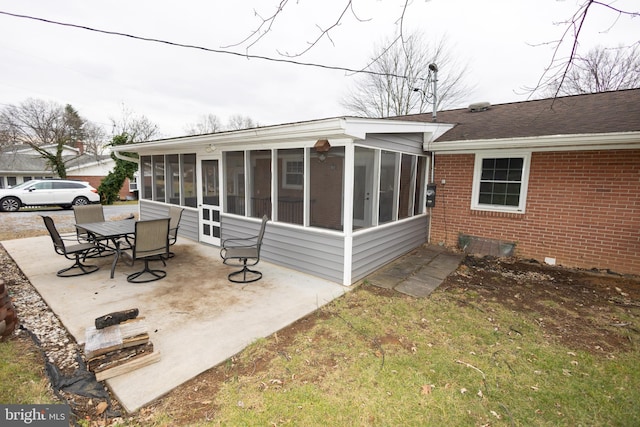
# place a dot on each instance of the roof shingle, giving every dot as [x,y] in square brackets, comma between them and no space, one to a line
[603,112]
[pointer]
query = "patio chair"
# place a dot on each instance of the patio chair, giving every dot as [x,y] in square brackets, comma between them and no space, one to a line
[245,253]
[85,214]
[175,215]
[151,243]
[72,252]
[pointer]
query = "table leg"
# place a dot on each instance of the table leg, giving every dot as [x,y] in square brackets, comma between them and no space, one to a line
[116,256]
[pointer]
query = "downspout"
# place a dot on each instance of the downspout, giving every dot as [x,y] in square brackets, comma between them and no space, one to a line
[126,158]
[433,160]
[432,179]
[119,156]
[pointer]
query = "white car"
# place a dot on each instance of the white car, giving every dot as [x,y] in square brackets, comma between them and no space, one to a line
[48,192]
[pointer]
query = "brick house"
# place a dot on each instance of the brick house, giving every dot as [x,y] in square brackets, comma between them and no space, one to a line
[556,180]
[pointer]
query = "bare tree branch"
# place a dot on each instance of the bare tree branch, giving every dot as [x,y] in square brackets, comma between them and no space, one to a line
[138,128]
[324,32]
[560,68]
[259,33]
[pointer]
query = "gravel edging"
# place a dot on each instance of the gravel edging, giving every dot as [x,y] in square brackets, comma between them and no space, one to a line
[63,356]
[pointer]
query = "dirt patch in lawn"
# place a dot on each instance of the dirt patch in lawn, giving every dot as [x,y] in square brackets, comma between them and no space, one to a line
[577,308]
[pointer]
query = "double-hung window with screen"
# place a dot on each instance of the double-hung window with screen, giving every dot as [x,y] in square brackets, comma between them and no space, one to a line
[500,182]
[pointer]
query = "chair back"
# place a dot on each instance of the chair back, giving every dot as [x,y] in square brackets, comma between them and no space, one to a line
[263,226]
[175,214]
[58,243]
[152,238]
[86,214]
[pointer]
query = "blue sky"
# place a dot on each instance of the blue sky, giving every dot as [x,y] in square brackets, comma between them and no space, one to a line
[503,43]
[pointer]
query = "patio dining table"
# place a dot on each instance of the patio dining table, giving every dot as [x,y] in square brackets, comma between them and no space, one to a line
[111,231]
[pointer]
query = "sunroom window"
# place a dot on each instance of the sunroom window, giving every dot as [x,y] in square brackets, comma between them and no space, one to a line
[291,186]
[146,178]
[158,177]
[260,183]
[326,186]
[169,179]
[234,182]
[389,184]
[173,179]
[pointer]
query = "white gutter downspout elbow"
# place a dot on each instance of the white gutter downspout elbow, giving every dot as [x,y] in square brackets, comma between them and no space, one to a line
[126,158]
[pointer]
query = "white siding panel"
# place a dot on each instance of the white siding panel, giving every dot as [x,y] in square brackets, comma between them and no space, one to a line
[301,249]
[188,222]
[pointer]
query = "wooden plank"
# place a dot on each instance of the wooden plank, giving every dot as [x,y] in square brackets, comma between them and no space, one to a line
[115,337]
[123,361]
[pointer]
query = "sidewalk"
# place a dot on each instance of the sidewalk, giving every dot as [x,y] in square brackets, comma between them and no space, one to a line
[419,272]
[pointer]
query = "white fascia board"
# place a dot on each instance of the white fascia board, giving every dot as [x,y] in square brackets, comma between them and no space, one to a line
[328,128]
[337,128]
[578,142]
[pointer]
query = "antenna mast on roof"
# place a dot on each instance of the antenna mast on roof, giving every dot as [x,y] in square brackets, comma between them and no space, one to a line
[433,68]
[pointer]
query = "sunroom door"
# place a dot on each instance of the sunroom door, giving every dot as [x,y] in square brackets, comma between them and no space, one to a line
[209,197]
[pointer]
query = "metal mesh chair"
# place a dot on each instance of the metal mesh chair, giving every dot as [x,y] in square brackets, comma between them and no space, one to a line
[175,215]
[72,252]
[151,243]
[86,214]
[244,253]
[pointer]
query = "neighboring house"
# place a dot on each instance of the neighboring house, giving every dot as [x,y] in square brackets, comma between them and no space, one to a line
[20,163]
[558,179]
[347,195]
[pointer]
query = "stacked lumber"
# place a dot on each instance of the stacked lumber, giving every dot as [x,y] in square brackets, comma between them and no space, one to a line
[118,344]
[8,316]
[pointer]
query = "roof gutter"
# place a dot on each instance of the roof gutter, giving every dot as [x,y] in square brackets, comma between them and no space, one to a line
[577,142]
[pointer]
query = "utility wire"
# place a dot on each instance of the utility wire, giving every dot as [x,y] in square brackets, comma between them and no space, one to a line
[206,49]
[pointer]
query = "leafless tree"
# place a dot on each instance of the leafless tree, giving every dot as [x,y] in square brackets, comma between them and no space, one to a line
[208,123]
[566,61]
[40,125]
[137,128]
[601,69]
[34,122]
[384,94]
[95,138]
[238,121]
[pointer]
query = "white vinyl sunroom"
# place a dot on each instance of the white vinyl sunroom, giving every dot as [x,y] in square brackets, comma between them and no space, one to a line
[345,195]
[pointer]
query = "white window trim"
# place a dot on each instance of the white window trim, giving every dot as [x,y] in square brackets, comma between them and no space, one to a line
[477,171]
[286,185]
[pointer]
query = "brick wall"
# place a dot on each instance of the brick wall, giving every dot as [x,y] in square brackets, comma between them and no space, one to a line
[583,209]
[95,181]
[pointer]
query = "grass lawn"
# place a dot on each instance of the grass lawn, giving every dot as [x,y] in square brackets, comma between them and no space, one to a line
[488,348]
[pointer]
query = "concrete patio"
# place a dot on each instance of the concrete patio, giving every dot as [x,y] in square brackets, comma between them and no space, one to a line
[196,318]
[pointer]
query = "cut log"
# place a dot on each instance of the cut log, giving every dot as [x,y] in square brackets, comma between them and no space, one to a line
[116,318]
[123,361]
[127,334]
